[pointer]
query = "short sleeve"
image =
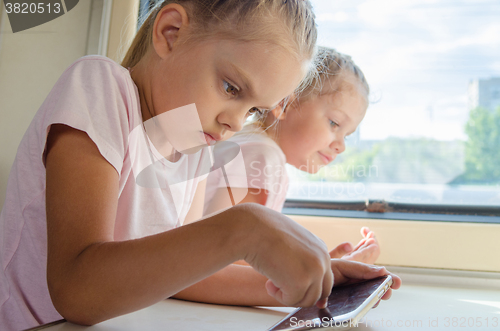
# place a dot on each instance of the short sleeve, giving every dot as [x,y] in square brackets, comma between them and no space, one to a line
[93,95]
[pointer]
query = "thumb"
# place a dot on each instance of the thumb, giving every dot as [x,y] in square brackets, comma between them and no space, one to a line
[341,250]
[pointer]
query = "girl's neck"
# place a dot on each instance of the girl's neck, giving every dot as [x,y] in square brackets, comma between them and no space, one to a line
[140,74]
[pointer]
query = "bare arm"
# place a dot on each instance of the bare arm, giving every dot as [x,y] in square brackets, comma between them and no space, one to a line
[195,212]
[221,200]
[238,285]
[92,278]
[243,286]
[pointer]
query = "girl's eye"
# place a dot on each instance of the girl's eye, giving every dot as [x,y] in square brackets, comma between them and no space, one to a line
[333,124]
[255,110]
[230,89]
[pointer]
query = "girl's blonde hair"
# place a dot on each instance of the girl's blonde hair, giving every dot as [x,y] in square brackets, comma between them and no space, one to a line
[287,23]
[331,68]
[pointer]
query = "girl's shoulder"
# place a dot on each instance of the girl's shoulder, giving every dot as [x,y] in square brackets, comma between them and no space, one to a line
[93,60]
[256,143]
[95,67]
[97,96]
[99,84]
[254,134]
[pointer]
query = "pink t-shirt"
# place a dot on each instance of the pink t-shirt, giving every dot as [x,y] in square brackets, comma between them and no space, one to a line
[262,167]
[97,96]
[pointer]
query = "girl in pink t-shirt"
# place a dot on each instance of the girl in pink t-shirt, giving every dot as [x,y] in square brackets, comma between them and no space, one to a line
[115,160]
[308,134]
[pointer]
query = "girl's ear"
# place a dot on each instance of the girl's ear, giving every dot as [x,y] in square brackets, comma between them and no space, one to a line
[281,110]
[170,23]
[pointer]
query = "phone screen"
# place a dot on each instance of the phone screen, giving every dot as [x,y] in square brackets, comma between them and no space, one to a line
[342,300]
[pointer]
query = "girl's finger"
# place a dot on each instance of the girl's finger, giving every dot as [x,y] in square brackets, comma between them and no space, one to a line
[341,250]
[387,295]
[327,288]
[351,270]
[361,243]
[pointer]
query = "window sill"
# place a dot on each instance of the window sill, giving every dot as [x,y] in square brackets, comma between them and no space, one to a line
[448,278]
[417,243]
[391,215]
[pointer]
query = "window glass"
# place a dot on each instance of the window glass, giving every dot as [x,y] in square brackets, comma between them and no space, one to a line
[431,134]
[144,7]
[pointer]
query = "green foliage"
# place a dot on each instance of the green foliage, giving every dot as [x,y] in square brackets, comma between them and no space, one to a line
[424,160]
[396,160]
[354,165]
[482,155]
[419,161]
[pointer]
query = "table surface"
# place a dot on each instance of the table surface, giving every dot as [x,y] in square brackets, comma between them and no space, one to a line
[413,307]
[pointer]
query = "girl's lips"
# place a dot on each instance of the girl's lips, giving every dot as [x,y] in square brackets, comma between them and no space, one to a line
[326,159]
[209,139]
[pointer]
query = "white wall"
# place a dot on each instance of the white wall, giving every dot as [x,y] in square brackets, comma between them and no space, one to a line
[31,61]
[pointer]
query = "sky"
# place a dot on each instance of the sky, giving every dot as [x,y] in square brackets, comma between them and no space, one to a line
[418,57]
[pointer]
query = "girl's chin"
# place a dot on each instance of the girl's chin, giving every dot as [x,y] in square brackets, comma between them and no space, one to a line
[192,150]
[315,169]
[310,167]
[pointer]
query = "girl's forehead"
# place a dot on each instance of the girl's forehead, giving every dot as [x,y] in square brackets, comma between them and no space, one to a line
[343,80]
[340,87]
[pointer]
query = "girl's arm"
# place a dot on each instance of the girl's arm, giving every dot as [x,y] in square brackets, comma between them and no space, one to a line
[242,286]
[221,199]
[237,285]
[195,212]
[92,278]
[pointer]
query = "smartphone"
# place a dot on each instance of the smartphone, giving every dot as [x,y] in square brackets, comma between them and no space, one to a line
[346,307]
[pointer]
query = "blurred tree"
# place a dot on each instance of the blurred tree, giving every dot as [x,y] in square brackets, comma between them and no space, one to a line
[354,165]
[395,160]
[482,154]
[419,161]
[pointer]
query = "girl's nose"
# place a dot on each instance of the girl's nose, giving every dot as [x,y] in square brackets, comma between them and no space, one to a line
[338,145]
[232,120]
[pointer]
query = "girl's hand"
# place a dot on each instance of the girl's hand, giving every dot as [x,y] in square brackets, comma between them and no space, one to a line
[366,251]
[348,272]
[295,261]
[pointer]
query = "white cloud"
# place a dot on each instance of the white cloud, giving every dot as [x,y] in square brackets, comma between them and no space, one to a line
[496,66]
[488,36]
[340,16]
[382,13]
[417,55]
